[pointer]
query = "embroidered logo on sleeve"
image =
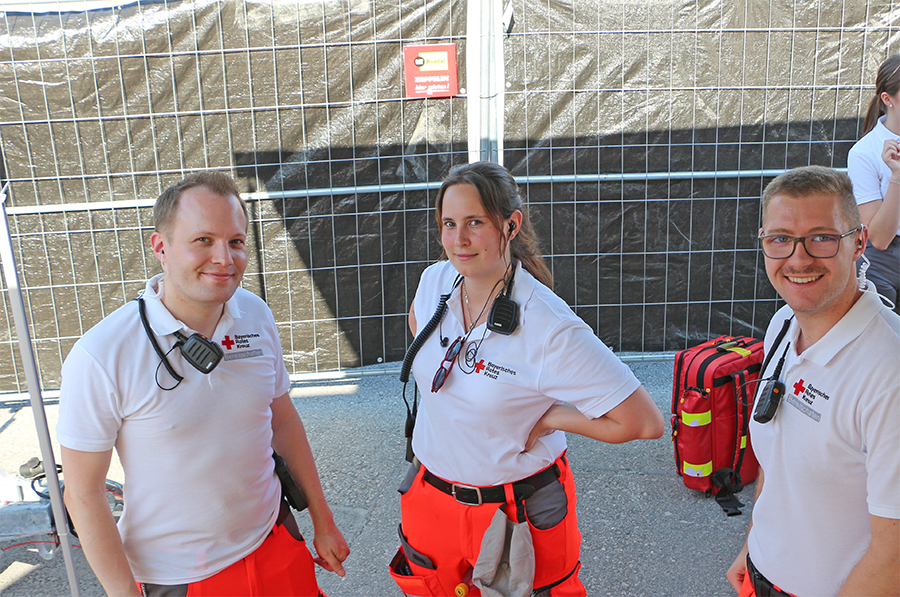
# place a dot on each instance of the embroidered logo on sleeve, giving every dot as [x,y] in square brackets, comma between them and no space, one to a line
[241,343]
[807,399]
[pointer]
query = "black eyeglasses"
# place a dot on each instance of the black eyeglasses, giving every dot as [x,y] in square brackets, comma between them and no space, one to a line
[441,375]
[819,246]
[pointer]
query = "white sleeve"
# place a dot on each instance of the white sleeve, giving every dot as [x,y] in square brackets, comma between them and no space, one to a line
[90,413]
[428,293]
[282,378]
[865,176]
[882,444]
[580,369]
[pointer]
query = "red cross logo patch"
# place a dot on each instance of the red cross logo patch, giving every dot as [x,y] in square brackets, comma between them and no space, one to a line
[228,342]
[799,388]
[479,366]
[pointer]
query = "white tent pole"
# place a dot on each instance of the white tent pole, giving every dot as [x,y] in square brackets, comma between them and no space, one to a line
[11,276]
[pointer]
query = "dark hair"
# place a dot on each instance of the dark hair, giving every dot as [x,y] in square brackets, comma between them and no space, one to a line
[500,198]
[887,80]
[813,180]
[217,182]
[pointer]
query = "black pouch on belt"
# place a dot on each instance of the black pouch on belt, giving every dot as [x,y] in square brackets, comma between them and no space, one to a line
[289,488]
[548,506]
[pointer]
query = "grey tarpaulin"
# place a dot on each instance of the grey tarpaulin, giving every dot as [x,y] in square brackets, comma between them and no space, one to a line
[658,124]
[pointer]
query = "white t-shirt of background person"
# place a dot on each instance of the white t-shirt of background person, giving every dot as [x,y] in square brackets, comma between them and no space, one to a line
[200,490]
[474,429]
[831,455]
[866,168]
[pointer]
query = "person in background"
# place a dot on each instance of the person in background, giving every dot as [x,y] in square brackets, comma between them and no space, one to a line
[825,422]
[508,370]
[204,513]
[873,165]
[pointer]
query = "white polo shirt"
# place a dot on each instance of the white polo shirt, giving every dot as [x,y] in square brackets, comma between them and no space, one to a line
[865,167]
[474,429]
[200,490]
[831,455]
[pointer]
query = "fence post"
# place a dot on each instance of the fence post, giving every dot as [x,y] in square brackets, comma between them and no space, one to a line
[485,80]
[11,275]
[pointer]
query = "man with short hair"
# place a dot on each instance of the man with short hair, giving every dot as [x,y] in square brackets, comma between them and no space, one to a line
[203,507]
[825,520]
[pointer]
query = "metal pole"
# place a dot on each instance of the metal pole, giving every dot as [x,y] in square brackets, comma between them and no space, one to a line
[420,186]
[11,275]
[485,80]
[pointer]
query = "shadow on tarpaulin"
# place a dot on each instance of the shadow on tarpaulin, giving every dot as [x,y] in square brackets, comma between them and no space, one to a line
[650,265]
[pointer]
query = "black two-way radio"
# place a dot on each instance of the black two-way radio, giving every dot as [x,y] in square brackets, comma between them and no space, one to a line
[503,317]
[773,391]
[202,353]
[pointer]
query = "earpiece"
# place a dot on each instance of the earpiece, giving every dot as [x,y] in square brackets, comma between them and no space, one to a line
[512,227]
[445,342]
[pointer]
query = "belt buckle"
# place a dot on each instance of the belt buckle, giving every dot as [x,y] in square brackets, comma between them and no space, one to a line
[477,490]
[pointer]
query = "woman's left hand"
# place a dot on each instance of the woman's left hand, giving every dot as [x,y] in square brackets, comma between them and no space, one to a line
[636,417]
[545,425]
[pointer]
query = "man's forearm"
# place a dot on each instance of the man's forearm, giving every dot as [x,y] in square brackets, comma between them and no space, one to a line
[873,576]
[289,440]
[101,542]
[878,572]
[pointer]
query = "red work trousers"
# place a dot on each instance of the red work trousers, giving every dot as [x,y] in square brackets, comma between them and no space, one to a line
[449,533]
[281,566]
[747,589]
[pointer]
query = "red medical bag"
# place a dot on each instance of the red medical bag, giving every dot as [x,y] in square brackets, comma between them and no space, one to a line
[712,401]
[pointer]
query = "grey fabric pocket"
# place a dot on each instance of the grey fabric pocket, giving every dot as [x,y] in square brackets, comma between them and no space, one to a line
[548,506]
[413,555]
[151,590]
[408,479]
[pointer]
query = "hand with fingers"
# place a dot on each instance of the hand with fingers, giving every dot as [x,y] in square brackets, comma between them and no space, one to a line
[331,550]
[891,157]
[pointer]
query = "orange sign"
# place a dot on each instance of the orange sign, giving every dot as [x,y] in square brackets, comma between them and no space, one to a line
[430,70]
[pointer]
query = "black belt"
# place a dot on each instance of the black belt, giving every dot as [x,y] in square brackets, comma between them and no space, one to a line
[496,494]
[761,585]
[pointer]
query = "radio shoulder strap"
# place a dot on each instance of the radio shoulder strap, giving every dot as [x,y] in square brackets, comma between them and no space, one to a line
[778,339]
[417,343]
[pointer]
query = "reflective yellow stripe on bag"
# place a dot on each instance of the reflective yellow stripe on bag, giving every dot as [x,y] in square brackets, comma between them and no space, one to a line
[741,351]
[697,470]
[696,419]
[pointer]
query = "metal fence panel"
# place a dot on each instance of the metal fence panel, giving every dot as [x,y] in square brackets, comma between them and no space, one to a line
[697,105]
[639,111]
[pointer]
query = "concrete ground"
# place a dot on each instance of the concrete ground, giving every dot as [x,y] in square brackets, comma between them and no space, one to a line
[644,533]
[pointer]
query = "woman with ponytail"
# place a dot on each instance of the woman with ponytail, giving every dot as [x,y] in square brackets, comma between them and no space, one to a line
[509,371]
[874,167]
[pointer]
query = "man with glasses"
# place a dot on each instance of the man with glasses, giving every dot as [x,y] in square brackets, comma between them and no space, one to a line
[825,425]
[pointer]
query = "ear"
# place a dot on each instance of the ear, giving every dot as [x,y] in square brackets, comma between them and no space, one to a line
[515,224]
[860,245]
[886,99]
[157,243]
